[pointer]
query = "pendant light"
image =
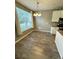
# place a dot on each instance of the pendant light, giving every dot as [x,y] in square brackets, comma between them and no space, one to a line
[37,13]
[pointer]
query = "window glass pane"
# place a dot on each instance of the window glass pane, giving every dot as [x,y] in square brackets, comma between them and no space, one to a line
[25,19]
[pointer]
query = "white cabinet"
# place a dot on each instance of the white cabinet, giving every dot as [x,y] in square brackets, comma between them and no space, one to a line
[54,29]
[56,15]
[59,43]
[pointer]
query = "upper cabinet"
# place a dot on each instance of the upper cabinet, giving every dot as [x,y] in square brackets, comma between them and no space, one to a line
[56,15]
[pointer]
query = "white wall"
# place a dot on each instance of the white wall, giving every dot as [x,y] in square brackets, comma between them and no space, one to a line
[43,23]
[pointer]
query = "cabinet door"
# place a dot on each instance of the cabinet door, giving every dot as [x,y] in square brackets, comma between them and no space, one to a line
[61,13]
[54,29]
[59,43]
[56,15]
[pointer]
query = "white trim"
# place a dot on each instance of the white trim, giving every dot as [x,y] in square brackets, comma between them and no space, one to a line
[42,30]
[23,36]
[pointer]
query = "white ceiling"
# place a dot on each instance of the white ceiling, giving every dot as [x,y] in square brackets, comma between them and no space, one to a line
[43,4]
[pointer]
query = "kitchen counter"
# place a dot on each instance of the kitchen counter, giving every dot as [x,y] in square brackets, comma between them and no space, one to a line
[61,32]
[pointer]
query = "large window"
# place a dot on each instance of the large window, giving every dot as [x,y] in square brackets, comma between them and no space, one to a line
[25,19]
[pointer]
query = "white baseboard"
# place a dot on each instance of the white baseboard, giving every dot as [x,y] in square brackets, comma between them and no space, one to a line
[42,30]
[23,36]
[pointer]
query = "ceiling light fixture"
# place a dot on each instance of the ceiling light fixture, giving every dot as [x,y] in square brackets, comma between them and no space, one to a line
[37,13]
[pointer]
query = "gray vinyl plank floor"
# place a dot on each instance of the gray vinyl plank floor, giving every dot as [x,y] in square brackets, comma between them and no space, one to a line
[37,45]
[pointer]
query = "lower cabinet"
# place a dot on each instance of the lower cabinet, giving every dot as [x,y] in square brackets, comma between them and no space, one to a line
[59,43]
[54,29]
